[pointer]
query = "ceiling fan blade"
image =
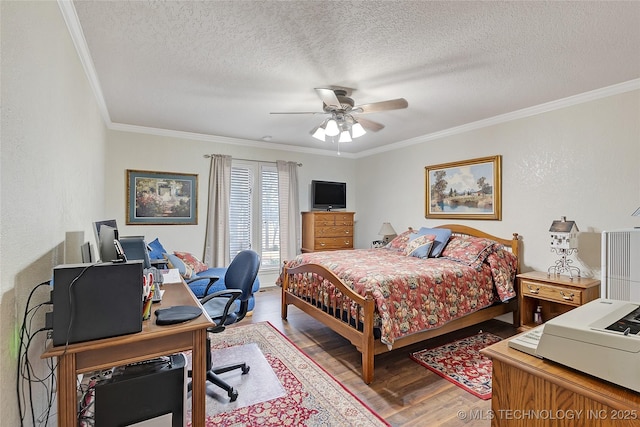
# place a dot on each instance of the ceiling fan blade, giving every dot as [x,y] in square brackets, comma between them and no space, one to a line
[370,125]
[392,104]
[329,98]
[299,112]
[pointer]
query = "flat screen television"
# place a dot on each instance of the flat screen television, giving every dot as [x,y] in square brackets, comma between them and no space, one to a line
[328,195]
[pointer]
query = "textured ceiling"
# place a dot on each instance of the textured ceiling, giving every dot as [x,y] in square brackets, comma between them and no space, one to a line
[220,67]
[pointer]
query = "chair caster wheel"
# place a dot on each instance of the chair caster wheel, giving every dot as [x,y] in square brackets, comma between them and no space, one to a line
[246,370]
[233,395]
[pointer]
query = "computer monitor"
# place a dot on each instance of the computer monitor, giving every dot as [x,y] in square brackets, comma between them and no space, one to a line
[98,224]
[106,243]
[135,247]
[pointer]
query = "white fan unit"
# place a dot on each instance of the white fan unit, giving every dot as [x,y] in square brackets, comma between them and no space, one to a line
[621,265]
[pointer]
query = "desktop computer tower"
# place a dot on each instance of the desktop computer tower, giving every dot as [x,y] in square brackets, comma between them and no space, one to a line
[142,391]
[93,301]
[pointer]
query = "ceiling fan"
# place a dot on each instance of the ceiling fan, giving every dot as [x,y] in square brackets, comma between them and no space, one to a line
[341,110]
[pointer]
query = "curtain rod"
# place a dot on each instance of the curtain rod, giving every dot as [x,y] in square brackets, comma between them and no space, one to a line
[207,156]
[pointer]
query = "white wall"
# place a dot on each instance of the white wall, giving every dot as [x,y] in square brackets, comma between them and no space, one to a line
[129,150]
[582,162]
[52,173]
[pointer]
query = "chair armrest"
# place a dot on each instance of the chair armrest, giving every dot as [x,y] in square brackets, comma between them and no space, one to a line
[230,294]
[212,280]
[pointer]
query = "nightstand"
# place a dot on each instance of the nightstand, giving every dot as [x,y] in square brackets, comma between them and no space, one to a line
[555,294]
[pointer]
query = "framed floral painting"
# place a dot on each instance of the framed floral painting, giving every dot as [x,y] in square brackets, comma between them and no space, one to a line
[469,189]
[155,198]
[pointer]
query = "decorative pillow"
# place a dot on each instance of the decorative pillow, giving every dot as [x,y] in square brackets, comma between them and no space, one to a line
[174,262]
[156,249]
[419,246]
[467,249]
[399,243]
[192,261]
[442,237]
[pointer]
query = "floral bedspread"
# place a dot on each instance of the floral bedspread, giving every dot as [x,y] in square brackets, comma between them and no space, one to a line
[413,294]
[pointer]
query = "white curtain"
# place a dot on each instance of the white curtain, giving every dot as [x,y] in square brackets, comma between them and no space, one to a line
[289,205]
[216,241]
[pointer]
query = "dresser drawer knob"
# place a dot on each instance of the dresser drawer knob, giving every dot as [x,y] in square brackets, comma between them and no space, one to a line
[533,290]
[568,297]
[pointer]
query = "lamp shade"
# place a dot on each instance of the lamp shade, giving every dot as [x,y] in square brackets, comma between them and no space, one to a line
[332,128]
[386,229]
[564,234]
[344,136]
[357,130]
[319,134]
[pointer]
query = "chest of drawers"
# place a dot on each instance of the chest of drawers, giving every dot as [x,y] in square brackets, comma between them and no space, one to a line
[325,231]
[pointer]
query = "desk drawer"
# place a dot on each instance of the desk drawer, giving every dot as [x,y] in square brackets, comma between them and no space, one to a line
[333,243]
[556,293]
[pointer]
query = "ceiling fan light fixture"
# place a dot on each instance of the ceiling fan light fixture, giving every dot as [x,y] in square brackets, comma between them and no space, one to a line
[319,134]
[332,128]
[344,136]
[357,130]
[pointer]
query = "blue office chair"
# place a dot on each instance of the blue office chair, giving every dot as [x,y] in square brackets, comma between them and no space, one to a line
[229,306]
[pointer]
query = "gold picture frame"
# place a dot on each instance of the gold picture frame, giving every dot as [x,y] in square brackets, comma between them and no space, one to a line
[473,189]
[158,198]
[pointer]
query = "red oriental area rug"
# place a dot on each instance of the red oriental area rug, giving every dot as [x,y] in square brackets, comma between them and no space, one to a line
[284,387]
[461,363]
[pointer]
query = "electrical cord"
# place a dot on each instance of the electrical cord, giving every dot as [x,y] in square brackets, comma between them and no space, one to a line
[72,304]
[26,372]
[24,367]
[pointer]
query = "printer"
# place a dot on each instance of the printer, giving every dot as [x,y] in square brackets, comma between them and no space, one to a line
[601,338]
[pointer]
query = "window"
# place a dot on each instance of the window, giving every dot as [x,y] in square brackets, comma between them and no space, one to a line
[253,212]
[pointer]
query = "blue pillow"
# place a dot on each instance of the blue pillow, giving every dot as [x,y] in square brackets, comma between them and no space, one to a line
[175,262]
[442,237]
[419,245]
[156,249]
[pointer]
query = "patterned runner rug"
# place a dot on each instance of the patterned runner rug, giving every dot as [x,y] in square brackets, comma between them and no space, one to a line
[461,363]
[286,387]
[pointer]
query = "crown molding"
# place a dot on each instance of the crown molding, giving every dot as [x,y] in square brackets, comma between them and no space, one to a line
[582,98]
[77,36]
[224,140]
[75,30]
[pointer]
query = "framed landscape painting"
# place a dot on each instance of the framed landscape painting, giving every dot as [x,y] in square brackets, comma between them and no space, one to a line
[155,198]
[469,189]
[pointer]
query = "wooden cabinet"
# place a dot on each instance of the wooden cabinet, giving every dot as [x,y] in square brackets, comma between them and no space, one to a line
[555,294]
[531,392]
[326,231]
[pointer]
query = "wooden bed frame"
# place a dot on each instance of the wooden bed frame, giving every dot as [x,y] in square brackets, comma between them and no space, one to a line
[362,337]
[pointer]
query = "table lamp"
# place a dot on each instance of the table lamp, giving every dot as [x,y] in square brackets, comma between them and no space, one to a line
[387,232]
[564,241]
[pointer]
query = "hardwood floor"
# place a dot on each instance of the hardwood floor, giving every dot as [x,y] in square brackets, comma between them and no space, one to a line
[402,392]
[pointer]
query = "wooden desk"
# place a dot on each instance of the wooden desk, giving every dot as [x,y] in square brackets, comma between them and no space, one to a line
[532,392]
[152,341]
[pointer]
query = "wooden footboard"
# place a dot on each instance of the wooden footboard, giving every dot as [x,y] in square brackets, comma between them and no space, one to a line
[352,315]
[346,312]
